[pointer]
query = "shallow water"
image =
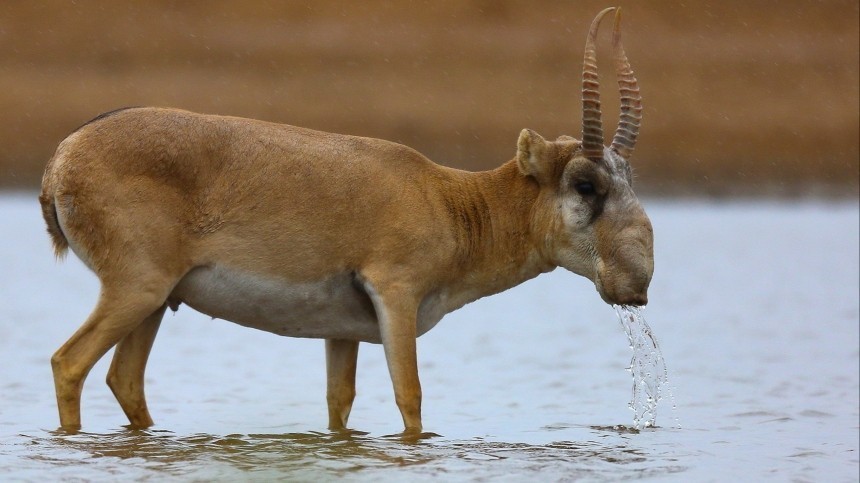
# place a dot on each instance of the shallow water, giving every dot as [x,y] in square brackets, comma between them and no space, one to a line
[755,305]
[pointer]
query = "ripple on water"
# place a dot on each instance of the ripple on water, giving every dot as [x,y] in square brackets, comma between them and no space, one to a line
[152,455]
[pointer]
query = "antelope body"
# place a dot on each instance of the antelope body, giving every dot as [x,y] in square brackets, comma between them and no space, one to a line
[310,234]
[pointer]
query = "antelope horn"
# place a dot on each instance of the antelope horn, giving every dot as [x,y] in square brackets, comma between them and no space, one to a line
[592,130]
[631,101]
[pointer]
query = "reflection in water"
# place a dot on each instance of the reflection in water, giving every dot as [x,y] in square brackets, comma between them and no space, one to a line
[339,454]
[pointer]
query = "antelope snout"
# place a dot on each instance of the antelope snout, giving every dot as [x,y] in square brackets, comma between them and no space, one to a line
[623,290]
[627,297]
[624,279]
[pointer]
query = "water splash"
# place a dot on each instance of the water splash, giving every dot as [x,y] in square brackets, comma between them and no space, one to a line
[650,377]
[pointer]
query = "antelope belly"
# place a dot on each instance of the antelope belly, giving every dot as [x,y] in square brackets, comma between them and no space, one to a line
[336,307]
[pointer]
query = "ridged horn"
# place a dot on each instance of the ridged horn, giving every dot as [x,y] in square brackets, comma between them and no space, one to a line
[631,102]
[592,129]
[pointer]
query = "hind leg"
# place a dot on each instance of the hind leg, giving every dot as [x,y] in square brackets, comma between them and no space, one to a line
[120,309]
[125,376]
[341,357]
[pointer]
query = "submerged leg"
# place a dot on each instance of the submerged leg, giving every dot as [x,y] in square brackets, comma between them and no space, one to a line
[118,312]
[341,357]
[125,376]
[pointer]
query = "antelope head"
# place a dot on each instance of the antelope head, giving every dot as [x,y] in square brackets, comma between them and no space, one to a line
[592,221]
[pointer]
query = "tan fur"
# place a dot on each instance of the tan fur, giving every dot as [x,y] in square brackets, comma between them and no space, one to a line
[170,207]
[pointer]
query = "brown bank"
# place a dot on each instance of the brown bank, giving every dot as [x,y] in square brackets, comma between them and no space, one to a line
[748,97]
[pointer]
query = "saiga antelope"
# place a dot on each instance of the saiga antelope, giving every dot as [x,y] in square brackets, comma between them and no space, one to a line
[309,234]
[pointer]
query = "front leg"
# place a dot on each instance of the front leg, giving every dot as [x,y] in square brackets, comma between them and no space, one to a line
[397,311]
[340,357]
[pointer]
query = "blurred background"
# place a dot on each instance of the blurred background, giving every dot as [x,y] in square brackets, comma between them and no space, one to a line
[751,98]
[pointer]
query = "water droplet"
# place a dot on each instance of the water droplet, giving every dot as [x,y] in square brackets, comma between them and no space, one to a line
[650,377]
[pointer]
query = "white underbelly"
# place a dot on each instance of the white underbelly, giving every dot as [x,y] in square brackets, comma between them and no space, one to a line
[337,307]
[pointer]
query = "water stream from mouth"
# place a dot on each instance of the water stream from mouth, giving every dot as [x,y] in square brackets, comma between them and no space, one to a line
[650,376]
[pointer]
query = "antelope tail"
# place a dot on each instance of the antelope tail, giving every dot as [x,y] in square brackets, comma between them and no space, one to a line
[49,212]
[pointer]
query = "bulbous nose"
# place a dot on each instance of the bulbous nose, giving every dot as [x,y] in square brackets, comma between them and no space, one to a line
[624,277]
[637,299]
[624,290]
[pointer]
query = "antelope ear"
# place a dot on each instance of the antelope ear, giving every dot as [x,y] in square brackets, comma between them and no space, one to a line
[532,155]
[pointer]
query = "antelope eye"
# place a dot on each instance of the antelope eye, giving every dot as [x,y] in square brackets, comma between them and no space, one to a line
[585,188]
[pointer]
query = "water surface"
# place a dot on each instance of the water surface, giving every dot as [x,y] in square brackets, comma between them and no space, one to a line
[755,305]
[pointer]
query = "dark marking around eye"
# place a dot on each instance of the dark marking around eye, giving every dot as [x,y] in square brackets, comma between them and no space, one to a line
[584,188]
